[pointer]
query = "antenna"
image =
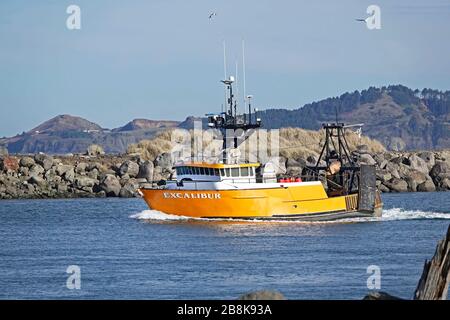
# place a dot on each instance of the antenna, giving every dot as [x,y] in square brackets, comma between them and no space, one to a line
[243,70]
[237,85]
[225,71]
[224,59]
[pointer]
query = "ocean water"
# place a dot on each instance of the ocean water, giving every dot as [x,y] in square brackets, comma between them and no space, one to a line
[125,251]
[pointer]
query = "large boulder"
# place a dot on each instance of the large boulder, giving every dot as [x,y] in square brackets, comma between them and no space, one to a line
[110,185]
[440,171]
[129,168]
[383,175]
[401,159]
[366,158]
[292,163]
[397,185]
[81,168]
[428,157]
[427,186]
[380,295]
[393,168]
[445,184]
[164,161]
[95,150]
[63,168]
[27,162]
[414,178]
[383,188]
[380,160]
[36,180]
[158,174]
[24,171]
[36,170]
[95,165]
[82,182]
[417,163]
[146,171]
[93,174]
[129,190]
[44,160]
[9,164]
[50,175]
[69,175]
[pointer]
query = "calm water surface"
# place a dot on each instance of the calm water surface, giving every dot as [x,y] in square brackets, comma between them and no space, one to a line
[125,251]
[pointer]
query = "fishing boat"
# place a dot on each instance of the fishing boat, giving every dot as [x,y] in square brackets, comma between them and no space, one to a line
[336,187]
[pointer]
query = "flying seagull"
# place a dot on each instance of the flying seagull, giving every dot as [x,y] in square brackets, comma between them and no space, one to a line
[362,20]
[213,14]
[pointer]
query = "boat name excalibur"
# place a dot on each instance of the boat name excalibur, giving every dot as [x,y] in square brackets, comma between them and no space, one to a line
[180,195]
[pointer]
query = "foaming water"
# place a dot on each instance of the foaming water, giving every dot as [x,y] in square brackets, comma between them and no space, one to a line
[401,214]
[392,214]
[157,215]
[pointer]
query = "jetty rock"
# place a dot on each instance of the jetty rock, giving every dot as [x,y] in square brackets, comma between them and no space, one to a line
[422,171]
[70,176]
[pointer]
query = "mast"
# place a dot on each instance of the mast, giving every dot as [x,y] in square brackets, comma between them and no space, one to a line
[225,73]
[227,120]
[243,73]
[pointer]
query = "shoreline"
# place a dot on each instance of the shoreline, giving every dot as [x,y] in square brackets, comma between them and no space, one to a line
[42,176]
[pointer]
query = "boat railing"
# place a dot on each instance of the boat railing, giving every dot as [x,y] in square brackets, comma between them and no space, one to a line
[162,184]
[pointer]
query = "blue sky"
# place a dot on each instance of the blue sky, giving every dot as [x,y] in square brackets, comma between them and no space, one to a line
[162,59]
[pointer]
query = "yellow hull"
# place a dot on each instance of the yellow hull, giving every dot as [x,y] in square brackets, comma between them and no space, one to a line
[285,202]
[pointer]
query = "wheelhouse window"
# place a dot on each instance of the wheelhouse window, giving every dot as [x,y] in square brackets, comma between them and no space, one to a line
[244,171]
[235,172]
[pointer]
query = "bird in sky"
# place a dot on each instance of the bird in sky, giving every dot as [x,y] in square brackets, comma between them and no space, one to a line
[362,20]
[212,14]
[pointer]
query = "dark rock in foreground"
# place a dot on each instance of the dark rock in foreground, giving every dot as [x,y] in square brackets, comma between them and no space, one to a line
[379,295]
[262,295]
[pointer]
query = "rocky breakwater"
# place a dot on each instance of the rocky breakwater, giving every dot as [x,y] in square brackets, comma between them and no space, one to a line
[98,175]
[44,176]
[396,171]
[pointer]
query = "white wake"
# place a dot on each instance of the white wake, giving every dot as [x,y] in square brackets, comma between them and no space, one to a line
[401,214]
[156,215]
[388,215]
